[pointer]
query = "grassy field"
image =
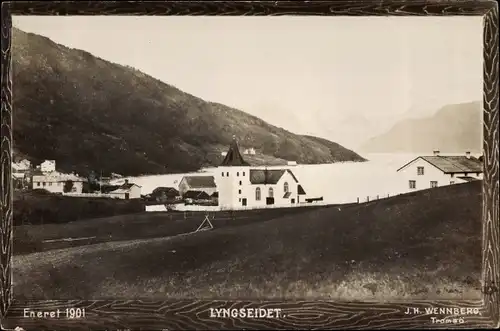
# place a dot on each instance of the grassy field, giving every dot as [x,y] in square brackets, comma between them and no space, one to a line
[37,238]
[425,245]
[32,207]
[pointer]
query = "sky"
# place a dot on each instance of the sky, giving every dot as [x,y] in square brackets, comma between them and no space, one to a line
[346,79]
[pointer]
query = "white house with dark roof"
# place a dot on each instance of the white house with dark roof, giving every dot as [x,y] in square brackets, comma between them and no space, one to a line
[426,172]
[126,191]
[240,185]
[56,182]
[197,183]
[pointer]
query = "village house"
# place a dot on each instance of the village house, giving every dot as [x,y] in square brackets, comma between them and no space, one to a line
[48,166]
[21,174]
[197,183]
[56,182]
[126,191]
[241,185]
[426,172]
[21,166]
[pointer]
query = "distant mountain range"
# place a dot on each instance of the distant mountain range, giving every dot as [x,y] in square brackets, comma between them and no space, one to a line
[89,114]
[455,128]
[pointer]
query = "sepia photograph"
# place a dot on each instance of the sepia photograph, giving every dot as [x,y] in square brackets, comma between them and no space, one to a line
[212,157]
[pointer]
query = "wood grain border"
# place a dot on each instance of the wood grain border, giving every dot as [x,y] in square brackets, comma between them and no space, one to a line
[194,314]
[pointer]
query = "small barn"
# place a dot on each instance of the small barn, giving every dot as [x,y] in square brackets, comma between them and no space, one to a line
[196,197]
[165,194]
[126,191]
[197,183]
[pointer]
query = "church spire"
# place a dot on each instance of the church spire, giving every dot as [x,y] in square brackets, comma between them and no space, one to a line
[233,156]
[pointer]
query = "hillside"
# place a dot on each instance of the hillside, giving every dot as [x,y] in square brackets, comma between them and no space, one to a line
[386,249]
[90,114]
[453,129]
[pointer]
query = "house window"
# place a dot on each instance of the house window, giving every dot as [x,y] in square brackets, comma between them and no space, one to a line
[257,194]
[239,200]
[285,187]
[452,182]
[465,174]
[74,189]
[420,171]
[293,200]
[452,175]
[238,174]
[240,182]
[222,174]
[44,183]
[227,174]
[271,192]
[477,173]
[37,183]
[239,191]
[413,184]
[434,183]
[243,173]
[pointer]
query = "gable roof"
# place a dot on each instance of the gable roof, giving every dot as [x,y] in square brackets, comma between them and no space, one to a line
[55,176]
[192,194]
[233,157]
[200,181]
[128,186]
[301,190]
[125,188]
[268,176]
[169,191]
[451,164]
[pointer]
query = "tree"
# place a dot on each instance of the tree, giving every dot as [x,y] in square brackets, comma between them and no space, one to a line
[92,177]
[68,186]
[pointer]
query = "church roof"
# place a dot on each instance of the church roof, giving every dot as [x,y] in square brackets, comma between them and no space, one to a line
[233,157]
[268,176]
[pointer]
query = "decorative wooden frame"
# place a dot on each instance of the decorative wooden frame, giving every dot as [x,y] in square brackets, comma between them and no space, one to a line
[194,314]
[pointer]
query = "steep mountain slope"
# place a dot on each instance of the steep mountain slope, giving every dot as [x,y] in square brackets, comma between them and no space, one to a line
[90,114]
[453,129]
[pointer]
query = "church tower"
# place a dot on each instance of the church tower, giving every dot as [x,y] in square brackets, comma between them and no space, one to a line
[233,179]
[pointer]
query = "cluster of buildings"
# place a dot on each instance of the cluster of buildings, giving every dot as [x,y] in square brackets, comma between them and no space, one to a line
[236,184]
[46,177]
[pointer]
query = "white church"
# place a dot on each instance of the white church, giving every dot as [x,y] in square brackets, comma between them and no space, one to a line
[240,185]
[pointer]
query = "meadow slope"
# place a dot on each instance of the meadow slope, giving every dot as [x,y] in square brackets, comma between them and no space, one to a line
[421,245]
